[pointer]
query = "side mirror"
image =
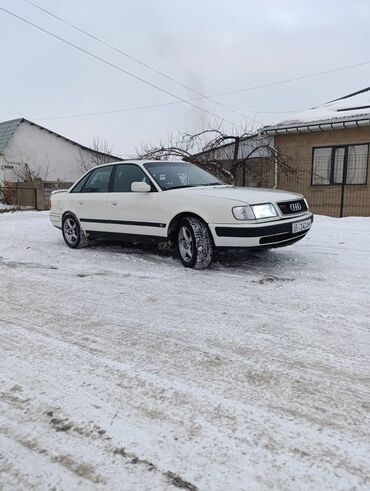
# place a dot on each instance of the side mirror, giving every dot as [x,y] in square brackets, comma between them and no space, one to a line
[140,187]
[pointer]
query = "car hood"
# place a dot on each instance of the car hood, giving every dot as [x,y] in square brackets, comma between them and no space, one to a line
[247,195]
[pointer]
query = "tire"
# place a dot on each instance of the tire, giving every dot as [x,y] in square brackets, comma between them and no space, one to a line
[194,243]
[73,235]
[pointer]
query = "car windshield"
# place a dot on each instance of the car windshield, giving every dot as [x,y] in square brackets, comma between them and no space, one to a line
[175,175]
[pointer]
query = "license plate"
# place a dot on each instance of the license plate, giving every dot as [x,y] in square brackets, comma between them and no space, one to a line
[301,226]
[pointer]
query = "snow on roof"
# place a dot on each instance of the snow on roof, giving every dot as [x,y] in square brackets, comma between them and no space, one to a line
[349,107]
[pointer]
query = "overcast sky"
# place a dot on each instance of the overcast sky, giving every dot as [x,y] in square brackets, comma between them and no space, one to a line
[212,46]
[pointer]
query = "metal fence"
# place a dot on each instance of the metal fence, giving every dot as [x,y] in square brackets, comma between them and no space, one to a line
[333,185]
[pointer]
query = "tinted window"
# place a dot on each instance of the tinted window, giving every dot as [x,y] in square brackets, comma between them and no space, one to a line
[78,187]
[126,174]
[98,181]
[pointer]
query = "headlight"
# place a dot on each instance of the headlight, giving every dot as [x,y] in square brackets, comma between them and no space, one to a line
[243,213]
[266,210]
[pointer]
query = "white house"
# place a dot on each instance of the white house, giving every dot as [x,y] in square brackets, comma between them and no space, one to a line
[26,145]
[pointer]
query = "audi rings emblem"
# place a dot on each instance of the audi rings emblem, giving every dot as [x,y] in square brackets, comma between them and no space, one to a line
[295,207]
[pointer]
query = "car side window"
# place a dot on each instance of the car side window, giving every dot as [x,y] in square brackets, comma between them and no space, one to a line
[125,175]
[98,180]
[78,187]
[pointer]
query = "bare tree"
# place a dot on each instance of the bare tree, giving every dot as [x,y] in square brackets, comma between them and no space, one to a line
[25,172]
[210,149]
[100,155]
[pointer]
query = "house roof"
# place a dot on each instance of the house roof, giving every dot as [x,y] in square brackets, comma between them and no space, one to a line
[8,128]
[351,110]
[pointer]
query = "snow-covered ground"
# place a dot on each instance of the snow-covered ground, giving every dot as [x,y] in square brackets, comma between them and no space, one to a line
[6,208]
[122,370]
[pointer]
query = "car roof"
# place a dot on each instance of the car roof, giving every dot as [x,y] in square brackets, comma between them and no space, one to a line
[142,162]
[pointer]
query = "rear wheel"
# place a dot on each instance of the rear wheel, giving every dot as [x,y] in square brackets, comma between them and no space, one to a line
[194,243]
[73,235]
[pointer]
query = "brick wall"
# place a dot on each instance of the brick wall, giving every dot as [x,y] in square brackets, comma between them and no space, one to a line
[297,150]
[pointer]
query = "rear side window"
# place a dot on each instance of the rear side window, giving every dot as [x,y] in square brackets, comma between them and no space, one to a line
[125,175]
[98,181]
[80,184]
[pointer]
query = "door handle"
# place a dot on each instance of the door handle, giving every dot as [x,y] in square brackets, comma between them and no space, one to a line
[114,203]
[80,202]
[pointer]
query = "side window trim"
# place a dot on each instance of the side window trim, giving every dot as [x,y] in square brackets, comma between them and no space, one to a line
[87,178]
[154,185]
[111,179]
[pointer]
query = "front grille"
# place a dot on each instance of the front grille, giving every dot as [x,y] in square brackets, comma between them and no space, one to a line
[281,237]
[292,207]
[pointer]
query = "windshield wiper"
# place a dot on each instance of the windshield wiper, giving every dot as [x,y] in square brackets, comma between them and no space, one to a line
[182,186]
[195,185]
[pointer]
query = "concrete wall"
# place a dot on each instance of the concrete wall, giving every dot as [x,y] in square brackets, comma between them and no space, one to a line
[35,194]
[53,157]
[253,146]
[297,149]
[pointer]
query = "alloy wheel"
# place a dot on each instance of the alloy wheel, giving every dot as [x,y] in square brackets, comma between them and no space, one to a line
[186,244]
[70,229]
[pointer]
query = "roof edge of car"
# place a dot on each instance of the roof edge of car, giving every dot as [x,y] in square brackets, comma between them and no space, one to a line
[140,161]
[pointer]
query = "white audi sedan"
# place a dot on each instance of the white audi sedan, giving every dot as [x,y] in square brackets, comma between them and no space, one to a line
[180,204]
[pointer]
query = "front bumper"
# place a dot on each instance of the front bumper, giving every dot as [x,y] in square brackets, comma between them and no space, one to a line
[264,234]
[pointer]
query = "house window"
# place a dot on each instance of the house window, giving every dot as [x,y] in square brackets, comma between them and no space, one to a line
[340,164]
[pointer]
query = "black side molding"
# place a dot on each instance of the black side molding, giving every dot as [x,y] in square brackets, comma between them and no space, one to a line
[123,222]
[116,236]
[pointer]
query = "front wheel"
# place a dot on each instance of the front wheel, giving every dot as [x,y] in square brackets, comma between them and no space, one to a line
[194,243]
[73,235]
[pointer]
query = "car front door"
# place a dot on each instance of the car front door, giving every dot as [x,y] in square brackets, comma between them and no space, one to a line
[134,213]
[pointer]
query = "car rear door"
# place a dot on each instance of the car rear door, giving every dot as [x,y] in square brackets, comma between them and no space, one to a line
[90,202]
[134,213]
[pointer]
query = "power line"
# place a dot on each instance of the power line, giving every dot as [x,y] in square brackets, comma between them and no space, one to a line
[293,79]
[12,108]
[147,106]
[235,91]
[258,111]
[102,113]
[180,99]
[133,58]
[117,67]
[279,82]
[202,96]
